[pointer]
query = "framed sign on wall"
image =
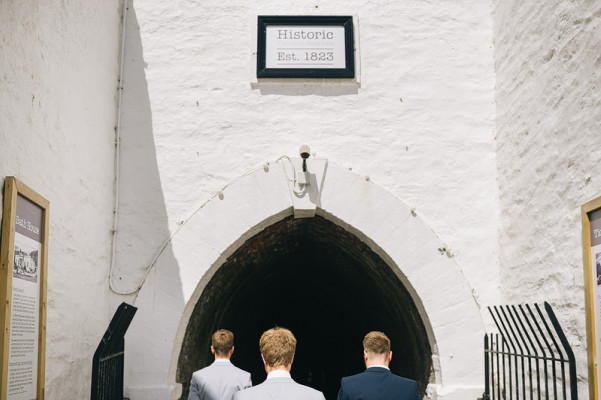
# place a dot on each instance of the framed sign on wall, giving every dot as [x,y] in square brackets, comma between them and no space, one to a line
[591,246]
[23,279]
[305,47]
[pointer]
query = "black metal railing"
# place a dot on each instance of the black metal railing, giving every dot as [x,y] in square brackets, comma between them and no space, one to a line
[107,365]
[529,356]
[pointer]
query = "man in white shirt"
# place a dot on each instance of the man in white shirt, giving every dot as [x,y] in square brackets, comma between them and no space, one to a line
[277,348]
[221,379]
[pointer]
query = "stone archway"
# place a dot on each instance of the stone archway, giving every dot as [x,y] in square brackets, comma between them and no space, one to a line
[399,254]
[323,283]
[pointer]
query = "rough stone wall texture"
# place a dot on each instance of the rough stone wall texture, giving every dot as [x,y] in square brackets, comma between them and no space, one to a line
[58,81]
[547,60]
[421,124]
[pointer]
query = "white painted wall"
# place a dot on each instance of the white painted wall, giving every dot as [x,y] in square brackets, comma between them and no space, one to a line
[420,125]
[58,82]
[548,96]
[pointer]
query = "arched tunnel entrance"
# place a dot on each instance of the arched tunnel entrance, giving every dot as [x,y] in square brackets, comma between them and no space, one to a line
[323,283]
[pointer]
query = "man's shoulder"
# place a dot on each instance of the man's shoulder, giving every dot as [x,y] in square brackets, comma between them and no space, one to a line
[368,375]
[352,378]
[240,371]
[249,393]
[403,380]
[216,369]
[280,386]
[361,375]
[308,389]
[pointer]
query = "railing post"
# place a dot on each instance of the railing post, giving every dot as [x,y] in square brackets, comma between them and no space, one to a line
[486,394]
[108,361]
[567,348]
[524,334]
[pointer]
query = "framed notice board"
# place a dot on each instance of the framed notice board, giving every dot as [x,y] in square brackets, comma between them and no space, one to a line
[23,278]
[591,246]
[302,46]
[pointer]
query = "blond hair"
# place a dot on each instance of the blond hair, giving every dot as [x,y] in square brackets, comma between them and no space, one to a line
[222,342]
[277,346]
[376,342]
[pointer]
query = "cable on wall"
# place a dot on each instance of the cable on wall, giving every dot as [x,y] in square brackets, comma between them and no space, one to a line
[117,164]
[219,194]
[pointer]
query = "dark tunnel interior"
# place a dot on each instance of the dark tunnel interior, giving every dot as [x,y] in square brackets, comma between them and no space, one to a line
[325,285]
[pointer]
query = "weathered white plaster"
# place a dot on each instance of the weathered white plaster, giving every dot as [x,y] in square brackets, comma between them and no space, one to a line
[421,125]
[305,186]
[404,241]
[58,82]
[548,96]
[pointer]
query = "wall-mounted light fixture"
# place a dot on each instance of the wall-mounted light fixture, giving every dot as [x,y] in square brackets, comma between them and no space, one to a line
[303,178]
[304,152]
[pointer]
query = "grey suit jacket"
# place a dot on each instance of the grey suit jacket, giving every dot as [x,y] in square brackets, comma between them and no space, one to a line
[218,381]
[279,389]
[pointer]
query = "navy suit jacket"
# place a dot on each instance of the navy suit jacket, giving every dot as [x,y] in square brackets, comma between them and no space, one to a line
[377,383]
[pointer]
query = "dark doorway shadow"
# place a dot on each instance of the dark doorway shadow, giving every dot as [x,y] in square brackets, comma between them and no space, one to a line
[324,284]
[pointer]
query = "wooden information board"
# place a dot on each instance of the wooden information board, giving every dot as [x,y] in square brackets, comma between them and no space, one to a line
[23,279]
[591,247]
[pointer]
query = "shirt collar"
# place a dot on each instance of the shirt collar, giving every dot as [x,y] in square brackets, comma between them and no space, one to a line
[278,373]
[379,366]
[223,360]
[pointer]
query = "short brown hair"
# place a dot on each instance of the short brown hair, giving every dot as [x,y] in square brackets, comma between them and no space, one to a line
[376,342]
[222,342]
[277,346]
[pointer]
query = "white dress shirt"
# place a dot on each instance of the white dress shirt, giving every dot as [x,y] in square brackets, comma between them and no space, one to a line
[279,373]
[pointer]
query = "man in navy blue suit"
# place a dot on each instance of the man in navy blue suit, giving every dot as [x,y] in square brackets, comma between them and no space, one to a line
[377,382]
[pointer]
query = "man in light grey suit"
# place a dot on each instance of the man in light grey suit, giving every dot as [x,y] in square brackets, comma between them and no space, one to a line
[277,347]
[221,379]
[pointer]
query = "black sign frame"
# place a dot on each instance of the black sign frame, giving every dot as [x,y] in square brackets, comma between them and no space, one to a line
[309,20]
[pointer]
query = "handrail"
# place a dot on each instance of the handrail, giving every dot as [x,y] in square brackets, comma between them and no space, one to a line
[530,345]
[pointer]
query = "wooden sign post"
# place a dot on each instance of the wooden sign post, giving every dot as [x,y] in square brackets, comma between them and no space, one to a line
[591,247]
